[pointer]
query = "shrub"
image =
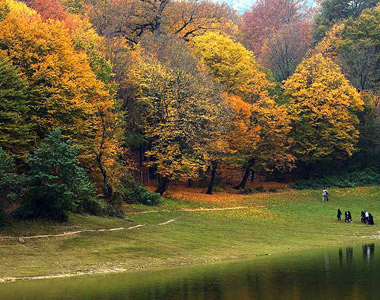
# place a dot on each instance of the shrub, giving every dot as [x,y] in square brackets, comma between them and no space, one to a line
[353,179]
[259,189]
[247,191]
[57,184]
[134,192]
[218,189]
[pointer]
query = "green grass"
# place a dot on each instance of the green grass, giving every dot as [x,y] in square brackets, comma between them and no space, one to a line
[291,220]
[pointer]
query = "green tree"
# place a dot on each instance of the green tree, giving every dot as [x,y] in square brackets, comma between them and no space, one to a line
[10,183]
[57,184]
[15,128]
[336,11]
[359,50]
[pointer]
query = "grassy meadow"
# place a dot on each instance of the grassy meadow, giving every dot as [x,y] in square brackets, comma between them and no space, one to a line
[190,227]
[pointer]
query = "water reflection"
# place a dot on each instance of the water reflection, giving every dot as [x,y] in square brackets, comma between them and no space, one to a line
[340,257]
[368,251]
[349,254]
[327,274]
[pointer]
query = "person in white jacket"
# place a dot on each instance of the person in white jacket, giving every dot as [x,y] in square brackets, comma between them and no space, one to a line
[325,195]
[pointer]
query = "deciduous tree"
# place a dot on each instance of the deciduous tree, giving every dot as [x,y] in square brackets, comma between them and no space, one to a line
[336,11]
[232,65]
[323,106]
[16,135]
[284,49]
[267,17]
[359,50]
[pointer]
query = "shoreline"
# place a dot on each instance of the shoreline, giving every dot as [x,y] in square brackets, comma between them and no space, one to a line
[172,265]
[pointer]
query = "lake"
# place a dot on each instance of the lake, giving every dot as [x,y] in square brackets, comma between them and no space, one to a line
[338,273]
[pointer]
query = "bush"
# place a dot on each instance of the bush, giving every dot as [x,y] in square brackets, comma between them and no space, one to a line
[359,178]
[57,184]
[134,192]
[247,191]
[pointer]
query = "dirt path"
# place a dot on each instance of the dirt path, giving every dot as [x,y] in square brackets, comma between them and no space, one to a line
[69,233]
[22,239]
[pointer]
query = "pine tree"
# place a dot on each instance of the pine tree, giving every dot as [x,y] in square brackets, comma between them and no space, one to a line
[57,184]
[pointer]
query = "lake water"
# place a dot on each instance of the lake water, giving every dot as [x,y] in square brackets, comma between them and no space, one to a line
[339,273]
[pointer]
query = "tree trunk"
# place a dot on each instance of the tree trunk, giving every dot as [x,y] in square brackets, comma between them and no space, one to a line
[190,183]
[248,167]
[252,176]
[141,155]
[163,184]
[212,178]
[107,187]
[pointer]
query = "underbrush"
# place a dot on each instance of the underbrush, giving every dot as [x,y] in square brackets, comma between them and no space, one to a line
[354,179]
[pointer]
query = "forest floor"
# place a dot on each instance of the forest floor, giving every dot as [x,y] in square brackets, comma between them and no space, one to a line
[190,227]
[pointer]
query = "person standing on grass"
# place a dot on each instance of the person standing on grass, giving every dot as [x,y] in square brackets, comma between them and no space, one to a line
[339,214]
[362,214]
[366,216]
[349,216]
[370,219]
[346,217]
[325,195]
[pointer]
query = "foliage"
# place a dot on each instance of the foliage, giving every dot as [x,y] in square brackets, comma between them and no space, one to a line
[136,193]
[328,46]
[63,90]
[273,148]
[232,65]
[15,128]
[135,19]
[284,49]
[56,183]
[323,107]
[10,184]
[369,127]
[354,179]
[268,16]
[336,11]
[359,50]
[179,107]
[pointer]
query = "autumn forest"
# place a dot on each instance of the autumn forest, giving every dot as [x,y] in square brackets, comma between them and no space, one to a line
[93,90]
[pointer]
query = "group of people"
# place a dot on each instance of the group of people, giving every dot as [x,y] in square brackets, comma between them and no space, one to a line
[347,216]
[366,217]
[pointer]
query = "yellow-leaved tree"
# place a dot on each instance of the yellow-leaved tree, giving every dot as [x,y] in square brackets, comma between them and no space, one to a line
[260,129]
[232,65]
[179,107]
[323,105]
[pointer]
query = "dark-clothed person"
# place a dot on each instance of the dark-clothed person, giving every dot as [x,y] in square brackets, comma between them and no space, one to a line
[362,219]
[339,214]
[370,220]
[349,216]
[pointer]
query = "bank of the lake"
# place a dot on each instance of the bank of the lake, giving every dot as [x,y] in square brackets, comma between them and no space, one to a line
[192,228]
